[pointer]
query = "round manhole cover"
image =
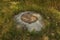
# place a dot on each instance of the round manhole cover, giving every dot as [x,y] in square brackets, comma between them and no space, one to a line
[29,18]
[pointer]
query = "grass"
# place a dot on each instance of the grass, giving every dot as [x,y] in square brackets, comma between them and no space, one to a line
[49,9]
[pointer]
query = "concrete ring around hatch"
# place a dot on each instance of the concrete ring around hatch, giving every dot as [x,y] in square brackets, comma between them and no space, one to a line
[33,21]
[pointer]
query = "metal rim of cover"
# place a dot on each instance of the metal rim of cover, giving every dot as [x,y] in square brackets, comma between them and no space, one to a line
[29,18]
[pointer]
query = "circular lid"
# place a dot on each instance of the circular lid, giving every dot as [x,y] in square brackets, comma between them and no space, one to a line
[28,18]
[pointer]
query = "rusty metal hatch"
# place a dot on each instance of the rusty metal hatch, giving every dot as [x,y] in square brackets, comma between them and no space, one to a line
[29,18]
